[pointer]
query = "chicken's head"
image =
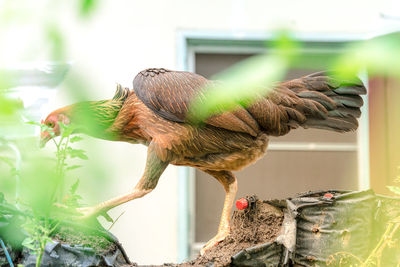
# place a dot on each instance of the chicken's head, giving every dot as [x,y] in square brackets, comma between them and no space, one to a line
[53,127]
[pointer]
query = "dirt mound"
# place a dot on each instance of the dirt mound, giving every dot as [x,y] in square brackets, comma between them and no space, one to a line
[72,235]
[257,224]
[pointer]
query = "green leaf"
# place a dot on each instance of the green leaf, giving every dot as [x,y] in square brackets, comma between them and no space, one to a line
[76,153]
[87,7]
[54,227]
[394,189]
[34,123]
[73,167]
[29,243]
[62,125]
[74,187]
[76,139]
[42,228]
[66,129]
[71,200]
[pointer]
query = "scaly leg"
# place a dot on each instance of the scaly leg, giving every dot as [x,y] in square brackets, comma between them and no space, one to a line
[154,168]
[228,180]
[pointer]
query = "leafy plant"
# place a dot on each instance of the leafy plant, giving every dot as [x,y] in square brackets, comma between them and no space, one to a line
[39,230]
[39,227]
[72,198]
[343,258]
[64,151]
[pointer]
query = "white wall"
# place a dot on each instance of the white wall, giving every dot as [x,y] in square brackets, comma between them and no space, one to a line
[126,36]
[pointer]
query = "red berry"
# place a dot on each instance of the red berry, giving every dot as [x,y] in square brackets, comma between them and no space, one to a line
[328,195]
[242,203]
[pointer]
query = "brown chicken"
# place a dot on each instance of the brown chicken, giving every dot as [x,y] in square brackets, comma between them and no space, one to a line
[155,113]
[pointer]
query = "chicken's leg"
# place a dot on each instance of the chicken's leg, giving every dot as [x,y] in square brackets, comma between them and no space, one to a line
[154,168]
[228,180]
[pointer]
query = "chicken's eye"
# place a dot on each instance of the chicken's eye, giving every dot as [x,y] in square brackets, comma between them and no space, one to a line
[50,124]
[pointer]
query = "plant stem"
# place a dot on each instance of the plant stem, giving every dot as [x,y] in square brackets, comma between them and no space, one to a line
[39,258]
[60,170]
[385,239]
[61,166]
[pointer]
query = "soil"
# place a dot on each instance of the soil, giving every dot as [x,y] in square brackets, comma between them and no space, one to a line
[259,223]
[73,236]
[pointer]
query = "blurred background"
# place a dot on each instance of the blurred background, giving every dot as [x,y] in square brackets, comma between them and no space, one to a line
[54,53]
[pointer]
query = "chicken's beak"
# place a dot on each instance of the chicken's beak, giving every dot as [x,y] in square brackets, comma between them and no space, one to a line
[44,138]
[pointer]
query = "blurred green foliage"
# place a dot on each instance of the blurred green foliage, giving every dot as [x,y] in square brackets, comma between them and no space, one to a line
[39,25]
[72,199]
[9,106]
[87,7]
[394,189]
[56,40]
[59,168]
[41,193]
[39,231]
[242,83]
[44,19]
[379,56]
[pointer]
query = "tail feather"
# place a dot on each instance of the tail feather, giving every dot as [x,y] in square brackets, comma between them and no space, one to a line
[333,123]
[318,97]
[313,109]
[343,112]
[313,101]
[350,90]
[354,101]
[343,107]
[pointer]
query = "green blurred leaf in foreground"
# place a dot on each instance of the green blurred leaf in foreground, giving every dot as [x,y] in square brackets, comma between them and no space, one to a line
[394,189]
[244,82]
[379,56]
[55,39]
[87,7]
[9,106]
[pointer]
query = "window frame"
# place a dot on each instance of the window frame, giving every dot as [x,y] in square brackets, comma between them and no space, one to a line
[191,42]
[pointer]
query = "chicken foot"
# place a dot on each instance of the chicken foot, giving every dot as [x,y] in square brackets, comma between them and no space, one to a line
[228,180]
[153,170]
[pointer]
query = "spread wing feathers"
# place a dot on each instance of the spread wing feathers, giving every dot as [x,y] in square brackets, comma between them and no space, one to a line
[313,101]
[169,93]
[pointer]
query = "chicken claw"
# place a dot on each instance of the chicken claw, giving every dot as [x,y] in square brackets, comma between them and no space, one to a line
[214,241]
